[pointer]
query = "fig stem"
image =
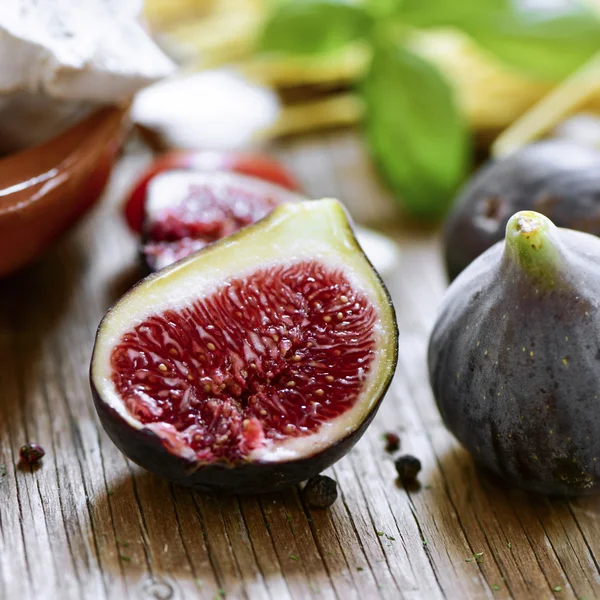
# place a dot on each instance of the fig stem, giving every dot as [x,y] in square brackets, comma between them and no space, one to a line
[532,242]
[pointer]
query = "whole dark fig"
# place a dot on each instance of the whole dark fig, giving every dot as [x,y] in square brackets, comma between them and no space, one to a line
[514,357]
[558,178]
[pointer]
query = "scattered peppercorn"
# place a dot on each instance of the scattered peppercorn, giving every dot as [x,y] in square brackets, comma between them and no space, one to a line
[408,468]
[320,492]
[31,453]
[392,441]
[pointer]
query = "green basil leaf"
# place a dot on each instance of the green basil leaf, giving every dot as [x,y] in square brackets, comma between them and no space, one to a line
[313,26]
[545,43]
[550,48]
[440,13]
[417,136]
[382,8]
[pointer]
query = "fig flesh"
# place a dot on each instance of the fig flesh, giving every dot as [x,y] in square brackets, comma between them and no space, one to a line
[260,166]
[514,357]
[185,211]
[558,178]
[253,364]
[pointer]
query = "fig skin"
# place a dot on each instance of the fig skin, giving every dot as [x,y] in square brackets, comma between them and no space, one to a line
[146,449]
[514,358]
[558,178]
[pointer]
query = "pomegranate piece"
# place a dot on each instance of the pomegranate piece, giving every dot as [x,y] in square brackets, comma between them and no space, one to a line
[254,165]
[253,364]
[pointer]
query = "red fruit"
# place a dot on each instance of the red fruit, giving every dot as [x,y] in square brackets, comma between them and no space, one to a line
[186,211]
[254,165]
[392,442]
[249,380]
[31,453]
[253,364]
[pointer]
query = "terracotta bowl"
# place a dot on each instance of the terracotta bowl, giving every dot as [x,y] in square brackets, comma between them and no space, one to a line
[46,188]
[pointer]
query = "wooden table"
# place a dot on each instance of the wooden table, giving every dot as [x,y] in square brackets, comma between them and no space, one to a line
[89,524]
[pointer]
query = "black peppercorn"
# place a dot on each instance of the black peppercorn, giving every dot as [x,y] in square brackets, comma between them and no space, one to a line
[320,492]
[408,468]
[392,441]
[31,453]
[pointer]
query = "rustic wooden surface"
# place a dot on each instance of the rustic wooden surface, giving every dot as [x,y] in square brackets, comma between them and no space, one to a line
[89,524]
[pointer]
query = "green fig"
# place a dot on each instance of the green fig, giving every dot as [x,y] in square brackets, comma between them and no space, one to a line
[514,357]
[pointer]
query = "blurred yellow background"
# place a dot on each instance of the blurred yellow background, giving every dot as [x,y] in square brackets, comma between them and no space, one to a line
[207,33]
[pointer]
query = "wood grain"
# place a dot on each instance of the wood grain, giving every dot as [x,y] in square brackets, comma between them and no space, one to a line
[88,524]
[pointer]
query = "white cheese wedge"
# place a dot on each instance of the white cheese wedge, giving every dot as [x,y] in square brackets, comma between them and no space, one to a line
[94,51]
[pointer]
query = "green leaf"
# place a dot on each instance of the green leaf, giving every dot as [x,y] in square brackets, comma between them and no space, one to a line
[439,13]
[314,26]
[383,8]
[417,136]
[549,44]
[548,47]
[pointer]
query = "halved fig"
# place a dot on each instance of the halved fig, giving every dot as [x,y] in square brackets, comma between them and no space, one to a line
[253,364]
[185,211]
[256,165]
